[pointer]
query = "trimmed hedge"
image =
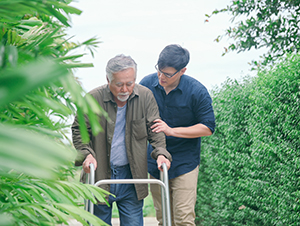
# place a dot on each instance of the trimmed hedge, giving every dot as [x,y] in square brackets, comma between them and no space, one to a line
[250,168]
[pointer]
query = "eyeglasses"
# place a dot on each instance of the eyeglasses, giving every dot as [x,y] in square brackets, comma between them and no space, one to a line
[166,74]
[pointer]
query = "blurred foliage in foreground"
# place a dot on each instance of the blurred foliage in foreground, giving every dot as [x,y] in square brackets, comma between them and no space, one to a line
[250,168]
[38,94]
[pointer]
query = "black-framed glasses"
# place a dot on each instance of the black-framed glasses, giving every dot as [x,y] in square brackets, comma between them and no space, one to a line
[166,74]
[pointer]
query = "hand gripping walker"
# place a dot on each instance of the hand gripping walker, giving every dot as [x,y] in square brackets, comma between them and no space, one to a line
[163,182]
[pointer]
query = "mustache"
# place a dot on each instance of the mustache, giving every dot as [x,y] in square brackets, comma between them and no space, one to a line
[123,94]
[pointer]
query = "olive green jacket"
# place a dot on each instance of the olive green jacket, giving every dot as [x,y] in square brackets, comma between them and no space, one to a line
[141,111]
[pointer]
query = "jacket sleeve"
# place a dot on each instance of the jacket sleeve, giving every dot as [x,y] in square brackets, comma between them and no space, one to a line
[83,149]
[157,140]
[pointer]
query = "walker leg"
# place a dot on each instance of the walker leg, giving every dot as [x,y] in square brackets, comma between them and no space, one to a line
[165,196]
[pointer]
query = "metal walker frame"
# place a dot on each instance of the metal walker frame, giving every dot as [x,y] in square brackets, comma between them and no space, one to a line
[163,182]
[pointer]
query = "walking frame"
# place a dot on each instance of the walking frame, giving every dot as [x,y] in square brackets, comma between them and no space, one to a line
[163,182]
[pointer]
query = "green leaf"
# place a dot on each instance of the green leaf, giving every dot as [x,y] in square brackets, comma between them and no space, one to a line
[60,215]
[100,197]
[43,213]
[12,55]
[30,214]
[82,126]
[6,219]
[28,152]
[80,214]
[18,82]
[53,194]
[79,65]
[51,103]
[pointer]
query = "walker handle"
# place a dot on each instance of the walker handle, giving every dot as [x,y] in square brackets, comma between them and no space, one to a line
[91,175]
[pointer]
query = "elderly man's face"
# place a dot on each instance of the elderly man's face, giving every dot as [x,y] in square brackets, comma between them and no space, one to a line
[122,85]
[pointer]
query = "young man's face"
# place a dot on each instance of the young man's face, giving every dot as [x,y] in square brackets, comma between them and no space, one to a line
[164,74]
[122,85]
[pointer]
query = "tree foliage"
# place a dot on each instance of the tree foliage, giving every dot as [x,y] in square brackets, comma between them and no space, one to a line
[272,24]
[38,95]
[249,174]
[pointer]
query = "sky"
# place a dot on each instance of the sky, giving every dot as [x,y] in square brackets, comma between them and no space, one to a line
[142,29]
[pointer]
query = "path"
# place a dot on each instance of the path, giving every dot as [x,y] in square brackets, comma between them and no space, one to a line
[148,221]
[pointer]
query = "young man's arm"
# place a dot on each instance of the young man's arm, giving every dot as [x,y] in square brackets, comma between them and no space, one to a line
[198,130]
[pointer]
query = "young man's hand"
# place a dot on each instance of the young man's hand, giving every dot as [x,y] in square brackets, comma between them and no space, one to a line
[160,126]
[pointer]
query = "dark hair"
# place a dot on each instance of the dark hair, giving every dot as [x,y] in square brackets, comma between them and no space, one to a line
[173,56]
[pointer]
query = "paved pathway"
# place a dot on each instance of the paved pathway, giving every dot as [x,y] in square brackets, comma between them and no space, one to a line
[148,221]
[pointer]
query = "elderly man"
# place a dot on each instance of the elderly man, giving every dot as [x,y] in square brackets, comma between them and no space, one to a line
[120,152]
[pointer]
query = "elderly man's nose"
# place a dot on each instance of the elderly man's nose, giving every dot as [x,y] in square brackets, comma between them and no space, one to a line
[124,88]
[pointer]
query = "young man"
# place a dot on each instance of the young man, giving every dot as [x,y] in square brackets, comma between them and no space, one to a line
[186,112]
[120,152]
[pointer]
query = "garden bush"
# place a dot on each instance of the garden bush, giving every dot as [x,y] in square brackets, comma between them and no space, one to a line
[38,95]
[249,171]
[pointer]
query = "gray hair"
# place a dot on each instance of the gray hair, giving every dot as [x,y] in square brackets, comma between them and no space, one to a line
[119,63]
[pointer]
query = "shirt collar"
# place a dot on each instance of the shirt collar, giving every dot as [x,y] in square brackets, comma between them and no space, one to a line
[179,87]
[181,83]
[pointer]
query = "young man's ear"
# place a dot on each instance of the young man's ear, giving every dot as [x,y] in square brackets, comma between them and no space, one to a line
[182,71]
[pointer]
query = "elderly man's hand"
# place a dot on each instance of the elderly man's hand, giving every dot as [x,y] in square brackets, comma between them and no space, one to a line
[86,164]
[162,159]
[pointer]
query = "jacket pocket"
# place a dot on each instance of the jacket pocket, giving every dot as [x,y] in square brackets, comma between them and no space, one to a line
[139,129]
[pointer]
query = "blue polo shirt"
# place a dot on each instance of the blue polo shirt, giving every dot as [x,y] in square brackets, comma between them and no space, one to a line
[188,104]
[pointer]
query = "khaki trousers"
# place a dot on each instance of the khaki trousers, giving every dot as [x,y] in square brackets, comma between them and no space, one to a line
[183,195]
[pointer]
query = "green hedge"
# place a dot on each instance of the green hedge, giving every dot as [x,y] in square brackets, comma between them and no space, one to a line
[249,171]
